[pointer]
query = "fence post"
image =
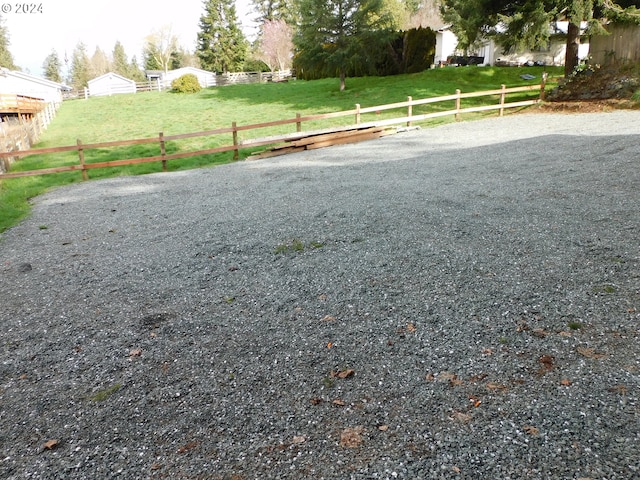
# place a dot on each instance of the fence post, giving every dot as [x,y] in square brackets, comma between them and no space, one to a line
[502,97]
[409,110]
[543,85]
[85,176]
[357,114]
[236,152]
[163,151]
[298,123]
[458,105]
[86,93]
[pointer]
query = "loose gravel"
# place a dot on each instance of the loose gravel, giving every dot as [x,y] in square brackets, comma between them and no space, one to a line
[454,302]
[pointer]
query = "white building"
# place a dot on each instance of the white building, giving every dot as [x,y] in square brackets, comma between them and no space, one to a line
[493,54]
[205,78]
[19,83]
[110,84]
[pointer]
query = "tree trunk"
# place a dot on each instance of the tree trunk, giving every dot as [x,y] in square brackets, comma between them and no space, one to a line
[342,80]
[573,45]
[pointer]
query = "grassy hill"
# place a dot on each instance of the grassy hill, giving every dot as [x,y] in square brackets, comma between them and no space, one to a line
[142,115]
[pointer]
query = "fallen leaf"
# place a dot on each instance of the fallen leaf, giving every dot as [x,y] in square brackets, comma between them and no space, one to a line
[531,430]
[475,401]
[565,334]
[165,367]
[620,389]
[322,296]
[565,381]
[297,309]
[187,447]
[330,344]
[547,361]
[495,386]
[23,376]
[351,437]
[590,352]
[487,351]
[136,352]
[346,373]
[328,318]
[429,377]
[50,444]
[539,332]
[456,469]
[479,377]
[316,401]
[446,376]
[411,328]
[339,402]
[383,428]
[299,439]
[461,417]
[454,382]
[156,466]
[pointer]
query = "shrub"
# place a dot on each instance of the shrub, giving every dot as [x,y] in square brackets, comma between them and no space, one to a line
[187,83]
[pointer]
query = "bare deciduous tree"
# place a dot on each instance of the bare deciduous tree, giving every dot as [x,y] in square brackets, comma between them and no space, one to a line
[160,46]
[276,45]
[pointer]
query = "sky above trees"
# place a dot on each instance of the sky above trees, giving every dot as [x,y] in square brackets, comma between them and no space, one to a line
[100,23]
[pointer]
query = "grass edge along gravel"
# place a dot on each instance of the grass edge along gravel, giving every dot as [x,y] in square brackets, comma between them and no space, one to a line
[144,115]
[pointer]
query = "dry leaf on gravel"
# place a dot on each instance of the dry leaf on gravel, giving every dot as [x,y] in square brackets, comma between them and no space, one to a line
[339,402]
[495,386]
[531,430]
[344,373]
[351,437]
[187,447]
[461,417]
[620,389]
[316,401]
[590,352]
[50,444]
[411,328]
[299,439]
[547,361]
[539,332]
[565,381]
[328,318]
[383,428]
[136,352]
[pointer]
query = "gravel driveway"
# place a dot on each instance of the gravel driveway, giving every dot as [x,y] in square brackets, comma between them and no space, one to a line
[455,302]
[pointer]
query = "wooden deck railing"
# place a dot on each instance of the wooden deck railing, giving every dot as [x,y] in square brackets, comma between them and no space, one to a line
[408,118]
[10,103]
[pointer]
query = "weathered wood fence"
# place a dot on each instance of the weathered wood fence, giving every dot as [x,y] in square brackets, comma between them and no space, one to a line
[408,118]
[19,132]
[213,81]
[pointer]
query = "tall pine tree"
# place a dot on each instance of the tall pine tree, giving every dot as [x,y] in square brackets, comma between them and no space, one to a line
[6,59]
[340,36]
[80,67]
[222,47]
[52,67]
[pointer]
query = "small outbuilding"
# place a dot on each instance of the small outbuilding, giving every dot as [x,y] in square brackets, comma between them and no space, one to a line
[205,78]
[26,85]
[110,84]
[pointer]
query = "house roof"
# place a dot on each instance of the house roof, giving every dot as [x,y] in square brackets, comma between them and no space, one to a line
[111,75]
[5,72]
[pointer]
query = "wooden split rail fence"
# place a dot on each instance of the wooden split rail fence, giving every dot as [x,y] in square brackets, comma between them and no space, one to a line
[285,143]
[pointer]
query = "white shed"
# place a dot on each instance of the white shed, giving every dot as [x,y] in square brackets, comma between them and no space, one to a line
[20,83]
[206,79]
[110,84]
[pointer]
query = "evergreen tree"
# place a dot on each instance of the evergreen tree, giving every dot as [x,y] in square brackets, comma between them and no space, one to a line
[52,67]
[6,59]
[119,63]
[80,67]
[340,36]
[99,63]
[273,10]
[134,72]
[222,46]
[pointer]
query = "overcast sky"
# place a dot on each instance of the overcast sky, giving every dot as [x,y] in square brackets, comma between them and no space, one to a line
[64,23]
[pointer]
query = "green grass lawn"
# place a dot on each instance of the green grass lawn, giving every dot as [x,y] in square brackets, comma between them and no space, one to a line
[143,115]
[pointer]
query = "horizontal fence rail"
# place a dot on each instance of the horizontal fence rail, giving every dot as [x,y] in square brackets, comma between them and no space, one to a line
[237,145]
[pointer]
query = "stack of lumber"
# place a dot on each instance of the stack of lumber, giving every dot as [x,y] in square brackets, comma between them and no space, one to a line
[312,140]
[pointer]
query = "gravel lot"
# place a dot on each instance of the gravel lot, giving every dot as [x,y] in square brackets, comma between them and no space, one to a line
[456,302]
